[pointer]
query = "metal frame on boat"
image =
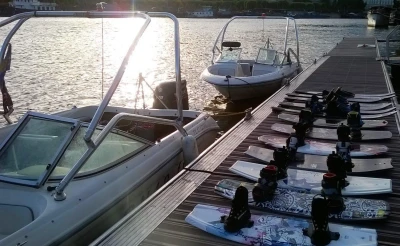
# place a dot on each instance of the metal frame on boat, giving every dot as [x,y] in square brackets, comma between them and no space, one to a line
[221,35]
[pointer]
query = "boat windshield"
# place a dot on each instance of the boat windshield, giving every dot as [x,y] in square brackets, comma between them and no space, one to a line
[230,55]
[267,57]
[42,147]
[114,148]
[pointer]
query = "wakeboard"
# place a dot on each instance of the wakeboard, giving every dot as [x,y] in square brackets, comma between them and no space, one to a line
[330,134]
[364,116]
[350,100]
[325,149]
[310,182]
[348,94]
[299,204]
[331,123]
[273,230]
[318,163]
[363,107]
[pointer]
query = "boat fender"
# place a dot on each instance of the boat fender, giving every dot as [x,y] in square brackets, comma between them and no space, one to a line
[190,149]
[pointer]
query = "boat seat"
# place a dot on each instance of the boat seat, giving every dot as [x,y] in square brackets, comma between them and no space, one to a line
[245,69]
[260,69]
[226,71]
[14,217]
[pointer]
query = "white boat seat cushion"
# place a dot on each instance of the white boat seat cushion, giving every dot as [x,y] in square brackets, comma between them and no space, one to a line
[13,218]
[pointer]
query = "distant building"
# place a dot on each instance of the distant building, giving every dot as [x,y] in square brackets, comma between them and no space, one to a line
[204,12]
[372,3]
[31,5]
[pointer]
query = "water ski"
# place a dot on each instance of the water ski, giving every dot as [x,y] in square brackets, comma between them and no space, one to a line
[332,123]
[364,107]
[360,100]
[350,99]
[273,230]
[318,163]
[325,149]
[345,94]
[310,182]
[365,116]
[331,134]
[299,204]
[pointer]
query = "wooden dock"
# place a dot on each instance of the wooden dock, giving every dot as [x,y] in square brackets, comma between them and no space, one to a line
[161,219]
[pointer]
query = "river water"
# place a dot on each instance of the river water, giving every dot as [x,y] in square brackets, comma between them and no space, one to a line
[61,63]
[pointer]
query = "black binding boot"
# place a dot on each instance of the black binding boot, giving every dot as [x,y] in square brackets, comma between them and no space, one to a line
[319,231]
[264,189]
[343,146]
[332,190]
[240,216]
[354,122]
[337,165]
[306,117]
[300,129]
[292,144]
[281,161]
[343,133]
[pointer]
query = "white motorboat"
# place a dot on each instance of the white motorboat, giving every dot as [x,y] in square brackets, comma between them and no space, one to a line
[238,79]
[65,178]
[378,16]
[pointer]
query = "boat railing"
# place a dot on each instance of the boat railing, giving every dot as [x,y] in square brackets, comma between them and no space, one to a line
[393,35]
[21,18]
[59,194]
[221,35]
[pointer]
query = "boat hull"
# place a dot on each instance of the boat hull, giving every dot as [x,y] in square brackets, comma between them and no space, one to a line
[263,89]
[252,90]
[377,20]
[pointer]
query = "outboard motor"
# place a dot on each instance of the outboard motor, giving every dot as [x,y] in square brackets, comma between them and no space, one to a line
[166,92]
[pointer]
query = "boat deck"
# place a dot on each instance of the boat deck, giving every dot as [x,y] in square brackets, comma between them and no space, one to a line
[161,220]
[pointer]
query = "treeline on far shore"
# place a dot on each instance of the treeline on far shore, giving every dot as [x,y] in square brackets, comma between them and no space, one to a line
[232,5]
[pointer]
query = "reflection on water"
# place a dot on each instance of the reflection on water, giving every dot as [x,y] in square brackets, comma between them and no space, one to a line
[57,63]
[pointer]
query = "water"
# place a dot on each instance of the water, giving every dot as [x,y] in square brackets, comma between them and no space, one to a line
[57,63]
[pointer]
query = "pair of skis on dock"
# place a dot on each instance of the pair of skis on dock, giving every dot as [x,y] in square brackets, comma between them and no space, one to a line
[294,192]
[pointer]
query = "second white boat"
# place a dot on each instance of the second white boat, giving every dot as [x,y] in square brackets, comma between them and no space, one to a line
[239,79]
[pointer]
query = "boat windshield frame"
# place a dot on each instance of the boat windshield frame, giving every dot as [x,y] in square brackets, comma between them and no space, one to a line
[92,144]
[217,47]
[75,125]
